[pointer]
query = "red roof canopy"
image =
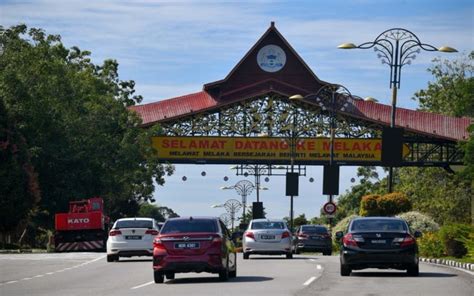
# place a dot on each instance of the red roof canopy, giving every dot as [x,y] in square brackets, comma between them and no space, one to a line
[247,79]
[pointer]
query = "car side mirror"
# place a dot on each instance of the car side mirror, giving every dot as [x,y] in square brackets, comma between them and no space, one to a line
[339,235]
[417,234]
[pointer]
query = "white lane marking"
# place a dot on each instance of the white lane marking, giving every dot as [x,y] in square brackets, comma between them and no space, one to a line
[312,260]
[61,270]
[141,286]
[309,281]
[319,266]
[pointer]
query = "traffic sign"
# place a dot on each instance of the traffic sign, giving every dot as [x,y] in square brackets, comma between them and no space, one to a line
[329,208]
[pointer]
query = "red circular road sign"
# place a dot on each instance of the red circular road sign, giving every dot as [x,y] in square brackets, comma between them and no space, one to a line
[329,208]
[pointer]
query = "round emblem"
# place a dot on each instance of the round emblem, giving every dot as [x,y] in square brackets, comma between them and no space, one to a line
[271,58]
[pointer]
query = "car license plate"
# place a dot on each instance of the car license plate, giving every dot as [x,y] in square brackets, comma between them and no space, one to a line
[133,237]
[379,241]
[186,245]
[263,236]
[315,237]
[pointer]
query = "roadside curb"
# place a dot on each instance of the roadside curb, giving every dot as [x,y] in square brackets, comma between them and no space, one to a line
[451,263]
[25,251]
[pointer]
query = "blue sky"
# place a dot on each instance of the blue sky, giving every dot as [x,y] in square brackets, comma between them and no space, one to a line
[172,48]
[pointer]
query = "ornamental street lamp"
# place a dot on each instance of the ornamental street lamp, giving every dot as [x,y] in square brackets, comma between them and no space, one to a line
[396,47]
[256,170]
[243,188]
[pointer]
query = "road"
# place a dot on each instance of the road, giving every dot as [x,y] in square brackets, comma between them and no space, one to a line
[90,274]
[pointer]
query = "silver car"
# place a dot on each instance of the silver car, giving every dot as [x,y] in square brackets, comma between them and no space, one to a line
[131,237]
[267,237]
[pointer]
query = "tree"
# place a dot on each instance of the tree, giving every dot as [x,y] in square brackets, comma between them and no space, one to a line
[442,195]
[151,211]
[72,120]
[300,220]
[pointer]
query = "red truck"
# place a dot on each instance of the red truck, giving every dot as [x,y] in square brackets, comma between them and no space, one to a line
[83,228]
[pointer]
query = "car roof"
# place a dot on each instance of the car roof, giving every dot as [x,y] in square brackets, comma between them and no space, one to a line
[268,220]
[378,218]
[136,218]
[195,218]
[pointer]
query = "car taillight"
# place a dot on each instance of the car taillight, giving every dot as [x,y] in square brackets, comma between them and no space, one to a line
[326,235]
[348,240]
[285,234]
[152,232]
[217,241]
[405,241]
[249,234]
[115,232]
[302,235]
[157,243]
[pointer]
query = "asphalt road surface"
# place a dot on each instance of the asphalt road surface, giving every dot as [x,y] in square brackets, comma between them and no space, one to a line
[88,274]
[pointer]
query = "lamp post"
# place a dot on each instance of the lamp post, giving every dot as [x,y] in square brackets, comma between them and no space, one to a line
[231,206]
[256,170]
[396,47]
[243,188]
[331,97]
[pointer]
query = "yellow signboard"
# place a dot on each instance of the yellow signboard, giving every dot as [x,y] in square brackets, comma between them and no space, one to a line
[266,149]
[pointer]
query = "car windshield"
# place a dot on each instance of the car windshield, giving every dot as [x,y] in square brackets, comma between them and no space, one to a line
[194,225]
[268,225]
[314,229]
[134,224]
[378,225]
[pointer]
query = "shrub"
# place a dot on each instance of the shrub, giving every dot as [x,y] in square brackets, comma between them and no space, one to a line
[452,235]
[469,244]
[393,203]
[369,206]
[430,245]
[419,221]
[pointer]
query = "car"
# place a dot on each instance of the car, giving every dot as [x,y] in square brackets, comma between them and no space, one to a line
[194,244]
[378,242]
[267,237]
[131,237]
[315,238]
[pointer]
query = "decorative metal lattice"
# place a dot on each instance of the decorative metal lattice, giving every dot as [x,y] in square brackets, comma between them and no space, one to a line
[274,116]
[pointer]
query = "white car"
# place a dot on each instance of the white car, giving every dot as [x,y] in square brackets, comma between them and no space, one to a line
[131,237]
[267,237]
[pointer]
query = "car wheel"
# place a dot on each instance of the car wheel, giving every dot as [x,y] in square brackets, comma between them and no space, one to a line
[158,277]
[224,275]
[297,251]
[289,255]
[413,270]
[110,258]
[170,275]
[345,270]
[246,255]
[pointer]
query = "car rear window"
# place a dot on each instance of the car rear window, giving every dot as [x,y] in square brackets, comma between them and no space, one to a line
[268,225]
[378,225]
[314,229]
[194,225]
[134,224]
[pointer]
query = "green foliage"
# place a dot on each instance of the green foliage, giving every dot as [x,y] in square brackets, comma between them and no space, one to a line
[419,221]
[430,245]
[69,120]
[393,203]
[452,235]
[444,196]
[349,202]
[437,193]
[150,211]
[300,220]
[369,205]
[468,242]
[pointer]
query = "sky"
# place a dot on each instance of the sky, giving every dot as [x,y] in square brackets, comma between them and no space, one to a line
[172,48]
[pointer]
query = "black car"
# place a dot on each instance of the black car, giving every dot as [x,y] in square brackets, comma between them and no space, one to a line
[378,242]
[314,238]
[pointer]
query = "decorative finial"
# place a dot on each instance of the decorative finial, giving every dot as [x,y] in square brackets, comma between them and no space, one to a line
[272,24]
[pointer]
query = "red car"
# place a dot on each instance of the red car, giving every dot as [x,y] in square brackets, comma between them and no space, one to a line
[194,244]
